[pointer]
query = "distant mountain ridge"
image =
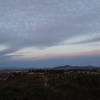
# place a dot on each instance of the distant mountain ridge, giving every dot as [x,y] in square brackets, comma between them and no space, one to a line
[65,67]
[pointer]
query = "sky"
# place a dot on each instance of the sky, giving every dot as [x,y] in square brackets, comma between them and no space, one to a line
[47,33]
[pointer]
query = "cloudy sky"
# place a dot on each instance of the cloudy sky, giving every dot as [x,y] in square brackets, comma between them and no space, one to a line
[44,33]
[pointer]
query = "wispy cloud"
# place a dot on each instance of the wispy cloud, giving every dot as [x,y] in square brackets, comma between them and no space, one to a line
[48,24]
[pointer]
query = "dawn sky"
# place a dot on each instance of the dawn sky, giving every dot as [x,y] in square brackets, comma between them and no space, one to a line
[44,33]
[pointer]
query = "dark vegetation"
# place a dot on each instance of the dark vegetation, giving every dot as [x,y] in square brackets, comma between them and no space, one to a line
[72,84]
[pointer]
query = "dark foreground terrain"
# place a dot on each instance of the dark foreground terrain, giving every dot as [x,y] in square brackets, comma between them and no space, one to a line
[73,84]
